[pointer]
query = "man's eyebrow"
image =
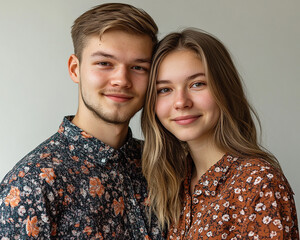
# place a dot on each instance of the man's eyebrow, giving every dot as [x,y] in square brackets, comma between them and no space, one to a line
[102,54]
[187,79]
[107,55]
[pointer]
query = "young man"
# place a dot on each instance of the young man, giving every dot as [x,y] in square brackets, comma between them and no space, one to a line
[85,182]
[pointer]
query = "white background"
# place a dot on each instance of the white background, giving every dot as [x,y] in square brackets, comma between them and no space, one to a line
[36,91]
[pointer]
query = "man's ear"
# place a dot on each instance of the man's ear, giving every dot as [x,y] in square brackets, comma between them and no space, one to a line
[73,67]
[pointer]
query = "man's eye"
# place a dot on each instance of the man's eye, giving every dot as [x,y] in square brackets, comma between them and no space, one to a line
[104,64]
[139,68]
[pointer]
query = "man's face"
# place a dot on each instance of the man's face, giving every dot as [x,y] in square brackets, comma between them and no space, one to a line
[113,75]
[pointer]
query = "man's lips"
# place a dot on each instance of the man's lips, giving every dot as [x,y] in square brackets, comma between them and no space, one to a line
[184,120]
[118,97]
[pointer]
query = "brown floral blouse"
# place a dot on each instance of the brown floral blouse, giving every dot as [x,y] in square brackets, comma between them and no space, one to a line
[238,199]
[74,186]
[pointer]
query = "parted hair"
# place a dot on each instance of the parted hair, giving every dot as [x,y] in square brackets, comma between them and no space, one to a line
[164,156]
[111,16]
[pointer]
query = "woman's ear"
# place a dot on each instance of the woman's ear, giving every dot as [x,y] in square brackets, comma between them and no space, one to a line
[73,67]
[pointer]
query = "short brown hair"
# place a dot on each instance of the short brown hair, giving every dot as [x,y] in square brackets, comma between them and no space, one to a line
[117,16]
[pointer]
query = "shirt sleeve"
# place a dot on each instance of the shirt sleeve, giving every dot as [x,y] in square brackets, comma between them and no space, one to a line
[272,214]
[23,205]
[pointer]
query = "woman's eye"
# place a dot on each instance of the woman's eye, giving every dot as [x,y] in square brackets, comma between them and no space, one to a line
[198,84]
[163,90]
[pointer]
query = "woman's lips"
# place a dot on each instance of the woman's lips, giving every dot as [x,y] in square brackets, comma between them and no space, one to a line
[185,120]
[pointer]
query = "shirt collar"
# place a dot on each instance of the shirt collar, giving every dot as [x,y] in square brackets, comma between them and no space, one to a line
[212,177]
[81,142]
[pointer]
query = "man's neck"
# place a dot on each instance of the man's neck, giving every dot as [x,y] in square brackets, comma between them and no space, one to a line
[113,135]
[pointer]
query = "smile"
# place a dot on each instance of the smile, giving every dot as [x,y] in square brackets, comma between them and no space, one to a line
[185,120]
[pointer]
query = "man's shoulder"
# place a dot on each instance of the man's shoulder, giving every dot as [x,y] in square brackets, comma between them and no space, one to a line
[41,158]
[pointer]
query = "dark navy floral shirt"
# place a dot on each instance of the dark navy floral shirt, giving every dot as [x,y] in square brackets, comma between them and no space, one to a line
[73,186]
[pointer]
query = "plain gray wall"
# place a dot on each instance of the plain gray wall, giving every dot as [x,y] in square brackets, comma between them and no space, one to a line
[36,91]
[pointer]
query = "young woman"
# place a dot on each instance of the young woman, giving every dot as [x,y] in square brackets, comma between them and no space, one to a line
[208,176]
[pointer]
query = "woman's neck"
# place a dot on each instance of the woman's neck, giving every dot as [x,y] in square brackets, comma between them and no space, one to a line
[204,154]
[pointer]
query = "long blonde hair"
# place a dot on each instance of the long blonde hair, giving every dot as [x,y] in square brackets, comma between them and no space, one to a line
[164,157]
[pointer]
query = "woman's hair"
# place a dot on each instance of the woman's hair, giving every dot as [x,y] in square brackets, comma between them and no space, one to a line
[164,157]
[111,16]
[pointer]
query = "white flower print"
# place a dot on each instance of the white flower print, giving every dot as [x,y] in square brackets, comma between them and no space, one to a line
[267,220]
[274,204]
[277,195]
[259,207]
[257,180]
[225,217]
[21,210]
[237,190]
[252,217]
[273,234]
[248,180]
[270,175]
[224,235]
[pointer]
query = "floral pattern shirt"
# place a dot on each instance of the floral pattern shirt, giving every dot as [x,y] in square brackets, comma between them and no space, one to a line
[74,186]
[238,199]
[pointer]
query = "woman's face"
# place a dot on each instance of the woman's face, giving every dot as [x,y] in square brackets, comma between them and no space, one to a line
[185,105]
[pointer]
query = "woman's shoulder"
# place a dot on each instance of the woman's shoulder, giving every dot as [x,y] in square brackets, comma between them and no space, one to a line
[258,173]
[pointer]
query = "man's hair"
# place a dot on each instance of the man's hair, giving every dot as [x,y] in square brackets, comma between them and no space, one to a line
[111,16]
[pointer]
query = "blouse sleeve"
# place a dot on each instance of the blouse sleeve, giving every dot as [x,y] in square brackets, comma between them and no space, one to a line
[272,214]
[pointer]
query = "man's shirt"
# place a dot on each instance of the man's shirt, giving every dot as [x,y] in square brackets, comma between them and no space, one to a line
[73,186]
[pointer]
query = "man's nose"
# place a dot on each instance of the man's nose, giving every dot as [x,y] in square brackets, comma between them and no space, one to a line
[121,78]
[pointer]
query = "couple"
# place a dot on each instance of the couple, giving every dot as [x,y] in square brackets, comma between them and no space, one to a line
[207,176]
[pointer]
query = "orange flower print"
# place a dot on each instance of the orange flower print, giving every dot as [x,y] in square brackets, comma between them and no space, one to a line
[88,164]
[118,206]
[54,229]
[48,174]
[96,188]
[13,198]
[88,230]
[147,237]
[85,170]
[21,174]
[60,192]
[75,158]
[32,229]
[85,135]
[99,236]
[13,178]
[70,188]
[44,155]
[71,147]
[146,202]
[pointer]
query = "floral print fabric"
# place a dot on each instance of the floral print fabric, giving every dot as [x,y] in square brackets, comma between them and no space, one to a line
[73,186]
[238,199]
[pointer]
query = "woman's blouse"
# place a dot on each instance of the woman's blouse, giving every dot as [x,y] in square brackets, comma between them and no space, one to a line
[238,199]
